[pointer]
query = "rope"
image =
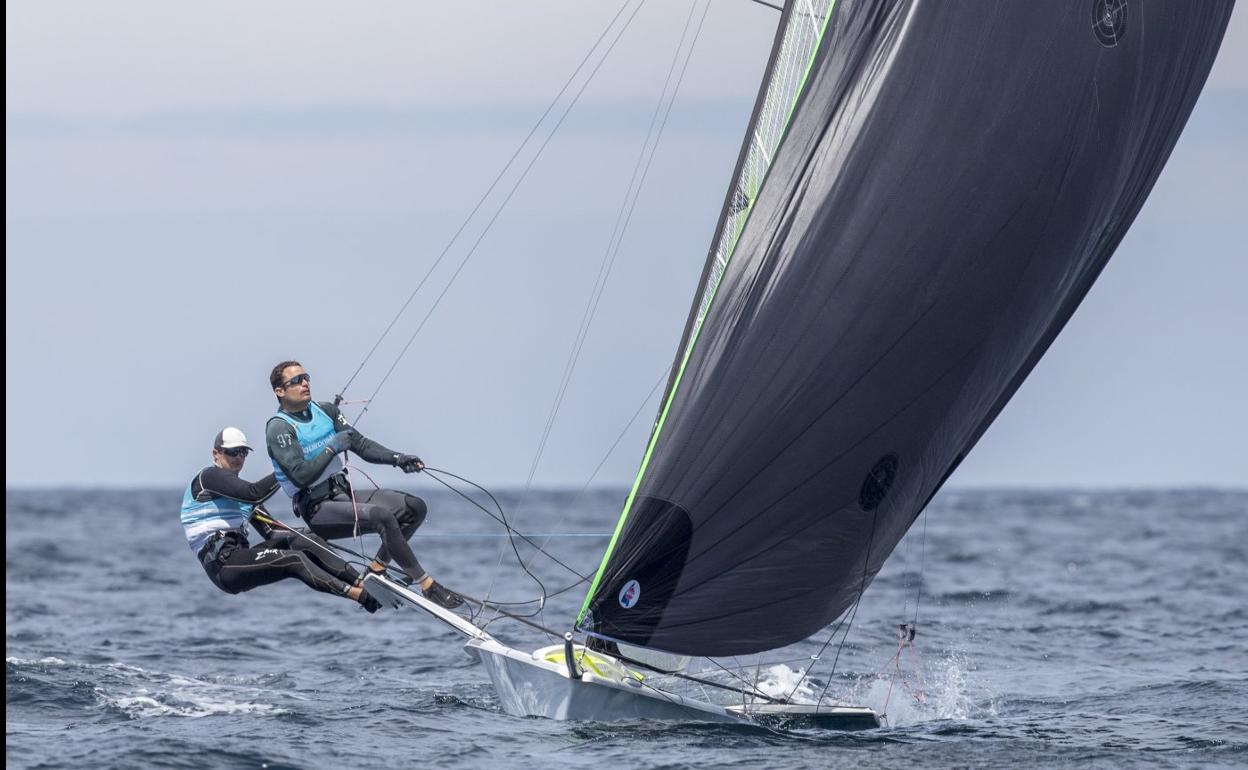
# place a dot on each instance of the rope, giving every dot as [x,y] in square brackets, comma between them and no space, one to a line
[326,546]
[332,547]
[753,692]
[524,619]
[922,566]
[815,658]
[905,642]
[624,217]
[501,519]
[355,508]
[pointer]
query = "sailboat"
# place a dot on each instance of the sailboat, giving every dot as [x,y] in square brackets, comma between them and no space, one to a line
[926,191]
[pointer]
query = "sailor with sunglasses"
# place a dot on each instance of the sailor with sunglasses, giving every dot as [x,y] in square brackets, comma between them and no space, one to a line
[216,509]
[304,439]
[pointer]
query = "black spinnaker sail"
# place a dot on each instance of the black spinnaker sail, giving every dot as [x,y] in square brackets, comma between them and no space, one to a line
[947,180]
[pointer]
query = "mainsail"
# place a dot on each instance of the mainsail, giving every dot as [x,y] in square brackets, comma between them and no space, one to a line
[941,184]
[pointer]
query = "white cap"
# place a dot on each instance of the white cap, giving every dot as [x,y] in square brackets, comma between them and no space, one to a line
[230,438]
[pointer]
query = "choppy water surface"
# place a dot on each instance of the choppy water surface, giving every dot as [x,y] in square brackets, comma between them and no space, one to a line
[1101,628]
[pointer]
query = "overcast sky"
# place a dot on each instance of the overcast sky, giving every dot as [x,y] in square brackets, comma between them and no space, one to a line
[194,192]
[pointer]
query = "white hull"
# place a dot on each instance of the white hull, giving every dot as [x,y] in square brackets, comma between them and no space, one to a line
[540,684]
[528,684]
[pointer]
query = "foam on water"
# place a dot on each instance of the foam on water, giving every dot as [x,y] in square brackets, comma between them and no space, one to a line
[49,661]
[181,703]
[140,693]
[919,690]
[929,689]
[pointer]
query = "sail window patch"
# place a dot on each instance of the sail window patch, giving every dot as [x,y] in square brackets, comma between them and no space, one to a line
[1109,21]
[875,487]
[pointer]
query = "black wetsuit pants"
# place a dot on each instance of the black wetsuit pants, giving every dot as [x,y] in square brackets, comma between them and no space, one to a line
[393,515]
[237,566]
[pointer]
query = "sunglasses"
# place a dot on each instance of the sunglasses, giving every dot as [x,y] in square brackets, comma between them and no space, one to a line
[240,451]
[298,379]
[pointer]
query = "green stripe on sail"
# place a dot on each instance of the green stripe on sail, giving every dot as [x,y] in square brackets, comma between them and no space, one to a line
[671,396]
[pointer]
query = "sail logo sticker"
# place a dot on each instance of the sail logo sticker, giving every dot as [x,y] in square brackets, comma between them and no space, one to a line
[629,594]
[1109,21]
[877,483]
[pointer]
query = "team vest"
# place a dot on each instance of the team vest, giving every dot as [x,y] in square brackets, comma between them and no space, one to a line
[313,437]
[200,518]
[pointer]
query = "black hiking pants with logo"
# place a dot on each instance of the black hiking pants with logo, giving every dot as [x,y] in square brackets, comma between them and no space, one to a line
[235,566]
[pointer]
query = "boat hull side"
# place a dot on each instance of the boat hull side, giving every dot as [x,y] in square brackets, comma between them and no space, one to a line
[535,687]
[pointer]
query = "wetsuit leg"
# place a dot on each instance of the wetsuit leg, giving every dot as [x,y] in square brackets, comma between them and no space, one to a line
[411,513]
[319,551]
[243,569]
[335,519]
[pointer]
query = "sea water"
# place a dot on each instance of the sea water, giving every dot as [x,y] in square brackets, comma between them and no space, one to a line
[1101,628]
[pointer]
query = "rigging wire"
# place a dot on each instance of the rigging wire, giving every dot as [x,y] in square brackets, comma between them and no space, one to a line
[637,194]
[498,607]
[620,437]
[815,658]
[918,595]
[624,216]
[631,195]
[691,678]
[523,174]
[510,531]
[614,244]
[752,685]
[596,295]
[486,194]
[853,614]
[866,562]
[391,571]
[585,487]
[268,519]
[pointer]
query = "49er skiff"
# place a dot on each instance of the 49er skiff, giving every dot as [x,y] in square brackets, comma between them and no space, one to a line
[926,191]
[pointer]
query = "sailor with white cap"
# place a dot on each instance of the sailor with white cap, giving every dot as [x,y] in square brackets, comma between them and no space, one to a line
[216,508]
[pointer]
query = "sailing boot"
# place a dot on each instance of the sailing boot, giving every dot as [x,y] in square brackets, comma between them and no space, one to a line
[368,602]
[442,596]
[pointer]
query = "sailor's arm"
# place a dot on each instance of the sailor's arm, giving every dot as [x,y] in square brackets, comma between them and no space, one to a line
[218,481]
[365,448]
[283,447]
[259,519]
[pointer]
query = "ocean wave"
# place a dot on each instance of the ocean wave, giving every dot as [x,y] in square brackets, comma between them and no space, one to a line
[184,704]
[139,693]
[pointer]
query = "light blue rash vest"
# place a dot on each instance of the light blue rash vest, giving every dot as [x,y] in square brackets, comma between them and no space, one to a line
[200,518]
[313,437]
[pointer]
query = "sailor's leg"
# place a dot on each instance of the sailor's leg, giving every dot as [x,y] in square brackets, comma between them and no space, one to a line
[248,568]
[410,511]
[319,551]
[336,518]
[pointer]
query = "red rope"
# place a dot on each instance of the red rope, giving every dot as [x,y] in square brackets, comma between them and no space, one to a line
[901,643]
